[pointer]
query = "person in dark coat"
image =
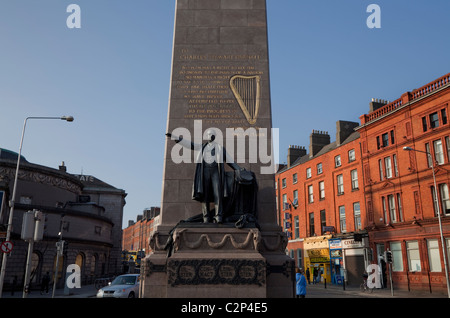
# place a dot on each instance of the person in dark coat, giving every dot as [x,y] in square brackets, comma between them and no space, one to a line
[209,181]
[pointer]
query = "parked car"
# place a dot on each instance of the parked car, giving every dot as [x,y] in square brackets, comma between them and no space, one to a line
[123,286]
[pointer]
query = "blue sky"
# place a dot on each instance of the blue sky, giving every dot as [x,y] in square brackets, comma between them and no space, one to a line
[113,76]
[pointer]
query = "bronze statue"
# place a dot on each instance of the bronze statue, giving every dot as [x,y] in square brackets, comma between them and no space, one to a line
[210,184]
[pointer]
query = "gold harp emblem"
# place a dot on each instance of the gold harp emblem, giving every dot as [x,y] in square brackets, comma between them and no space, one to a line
[247,90]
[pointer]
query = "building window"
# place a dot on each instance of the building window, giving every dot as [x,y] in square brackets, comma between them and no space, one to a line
[323,220]
[383,201]
[295,195]
[394,158]
[397,258]
[285,203]
[424,124]
[321,190]
[351,155]
[392,211]
[354,175]
[434,256]
[380,166]
[434,120]
[283,183]
[337,161]
[319,168]
[400,210]
[340,184]
[310,194]
[438,152]
[412,249]
[357,216]
[429,159]
[296,227]
[392,137]
[388,167]
[385,139]
[445,201]
[311,224]
[294,178]
[444,116]
[447,143]
[24,199]
[308,173]
[342,218]
[299,258]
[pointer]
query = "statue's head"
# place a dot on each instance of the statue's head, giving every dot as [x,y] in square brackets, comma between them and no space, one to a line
[210,135]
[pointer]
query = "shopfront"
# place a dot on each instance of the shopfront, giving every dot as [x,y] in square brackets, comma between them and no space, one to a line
[348,260]
[317,258]
[336,261]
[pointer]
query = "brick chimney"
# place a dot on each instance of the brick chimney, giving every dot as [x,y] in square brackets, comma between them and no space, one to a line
[295,152]
[343,130]
[377,103]
[317,140]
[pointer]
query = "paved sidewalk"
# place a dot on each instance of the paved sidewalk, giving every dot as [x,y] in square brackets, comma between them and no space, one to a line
[337,291]
[86,291]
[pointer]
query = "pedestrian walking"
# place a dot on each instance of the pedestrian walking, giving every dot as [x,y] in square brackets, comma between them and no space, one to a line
[315,275]
[45,283]
[308,276]
[300,289]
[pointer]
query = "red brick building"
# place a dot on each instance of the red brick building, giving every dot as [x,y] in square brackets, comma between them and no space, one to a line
[366,185]
[135,236]
[319,196]
[399,188]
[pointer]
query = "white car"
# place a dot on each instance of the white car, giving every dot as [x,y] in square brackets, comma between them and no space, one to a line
[123,286]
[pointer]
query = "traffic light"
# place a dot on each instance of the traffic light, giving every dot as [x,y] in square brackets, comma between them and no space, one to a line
[27,226]
[65,247]
[388,256]
[40,225]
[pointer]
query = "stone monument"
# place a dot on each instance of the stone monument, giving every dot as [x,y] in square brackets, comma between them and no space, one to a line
[220,81]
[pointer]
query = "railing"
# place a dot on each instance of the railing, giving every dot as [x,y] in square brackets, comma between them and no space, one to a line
[440,82]
[409,96]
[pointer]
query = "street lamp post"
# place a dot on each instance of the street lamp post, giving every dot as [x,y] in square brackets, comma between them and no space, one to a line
[12,201]
[438,213]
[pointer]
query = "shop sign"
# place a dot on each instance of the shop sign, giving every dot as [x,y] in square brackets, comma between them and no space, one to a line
[319,260]
[351,243]
[335,253]
[335,243]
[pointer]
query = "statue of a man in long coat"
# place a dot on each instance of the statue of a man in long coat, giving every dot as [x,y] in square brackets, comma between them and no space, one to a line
[209,181]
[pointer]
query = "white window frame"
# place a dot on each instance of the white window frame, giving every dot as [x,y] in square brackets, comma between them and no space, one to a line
[342,222]
[438,152]
[322,190]
[351,155]
[354,176]
[413,254]
[388,167]
[308,173]
[337,161]
[310,194]
[340,184]
[434,255]
[397,256]
[392,208]
[357,215]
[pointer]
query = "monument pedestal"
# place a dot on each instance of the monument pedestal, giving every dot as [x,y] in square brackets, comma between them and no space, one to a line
[216,261]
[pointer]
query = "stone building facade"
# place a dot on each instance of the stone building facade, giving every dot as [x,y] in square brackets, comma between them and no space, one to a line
[81,210]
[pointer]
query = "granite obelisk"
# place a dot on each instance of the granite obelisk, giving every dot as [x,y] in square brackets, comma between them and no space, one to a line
[220,80]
